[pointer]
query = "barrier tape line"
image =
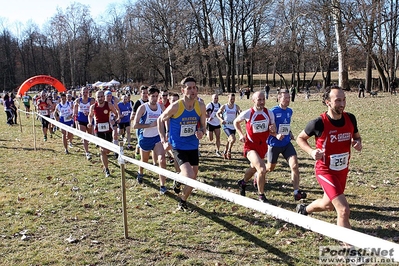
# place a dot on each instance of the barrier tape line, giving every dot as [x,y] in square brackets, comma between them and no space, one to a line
[339,233]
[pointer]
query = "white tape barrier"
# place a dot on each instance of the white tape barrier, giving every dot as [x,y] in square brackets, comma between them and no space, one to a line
[345,235]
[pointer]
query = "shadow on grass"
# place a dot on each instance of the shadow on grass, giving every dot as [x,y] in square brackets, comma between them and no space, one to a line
[280,193]
[27,148]
[284,257]
[284,188]
[372,212]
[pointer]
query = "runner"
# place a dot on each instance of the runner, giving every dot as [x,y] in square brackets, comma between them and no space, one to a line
[81,112]
[213,123]
[335,132]
[145,122]
[125,108]
[44,106]
[259,125]
[114,101]
[226,114]
[101,111]
[186,119]
[26,99]
[64,111]
[143,99]
[281,143]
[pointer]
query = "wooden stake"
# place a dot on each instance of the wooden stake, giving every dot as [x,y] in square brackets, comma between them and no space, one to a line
[19,116]
[34,129]
[123,185]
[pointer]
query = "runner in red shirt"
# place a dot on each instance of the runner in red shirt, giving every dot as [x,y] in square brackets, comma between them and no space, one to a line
[44,106]
[101,111]
[335,132]
[259,125]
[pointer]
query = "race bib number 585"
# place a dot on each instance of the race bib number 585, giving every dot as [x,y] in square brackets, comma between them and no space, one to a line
[187,130]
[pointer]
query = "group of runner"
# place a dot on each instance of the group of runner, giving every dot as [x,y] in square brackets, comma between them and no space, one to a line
[168,126]
[268,134]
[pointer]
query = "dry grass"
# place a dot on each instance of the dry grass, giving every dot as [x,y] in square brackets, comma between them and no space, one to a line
[49,197]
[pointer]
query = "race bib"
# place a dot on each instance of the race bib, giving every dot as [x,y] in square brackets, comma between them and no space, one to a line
[187,130]
[103,127]
[125,113]
[229,122]
[259,126]
[284,129]
[339,162]
[67,118]
[43,112]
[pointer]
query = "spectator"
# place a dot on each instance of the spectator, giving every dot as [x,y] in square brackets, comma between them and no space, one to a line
[361,89]
[393,86]
[247,92]
[292,92]
[267,91]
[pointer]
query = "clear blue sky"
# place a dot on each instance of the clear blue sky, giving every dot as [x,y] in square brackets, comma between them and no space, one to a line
[39,11]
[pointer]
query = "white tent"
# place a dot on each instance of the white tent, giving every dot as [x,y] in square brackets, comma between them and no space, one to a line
[97,84]
[103,84]
[113,83]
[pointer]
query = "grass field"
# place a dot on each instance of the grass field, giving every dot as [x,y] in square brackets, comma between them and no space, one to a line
[47,197]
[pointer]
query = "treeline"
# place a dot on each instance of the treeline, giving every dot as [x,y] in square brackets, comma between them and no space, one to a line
[220,42]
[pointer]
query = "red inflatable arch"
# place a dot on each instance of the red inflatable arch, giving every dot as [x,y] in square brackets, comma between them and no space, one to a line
[41,79]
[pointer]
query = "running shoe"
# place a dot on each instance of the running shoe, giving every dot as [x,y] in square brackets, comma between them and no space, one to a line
[218,154]
[129,147]
[140,178]
[300,195]
[45,138]
[262,198]
[66,151]
[88,156]
[162,190]
[70,145]
[176,187]
[301,208]
[242,184]
[182,205]
[107,173]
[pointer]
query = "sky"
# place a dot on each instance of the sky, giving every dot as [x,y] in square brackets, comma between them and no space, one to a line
[40,11]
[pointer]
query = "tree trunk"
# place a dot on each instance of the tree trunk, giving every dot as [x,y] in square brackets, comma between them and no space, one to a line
[340,35]
[369,76]
[380,70]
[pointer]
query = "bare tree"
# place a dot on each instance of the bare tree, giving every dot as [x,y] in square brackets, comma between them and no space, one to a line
[341,39]
[322,36]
